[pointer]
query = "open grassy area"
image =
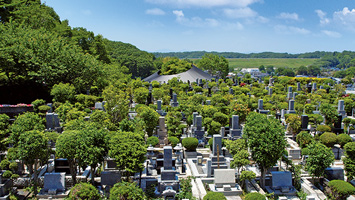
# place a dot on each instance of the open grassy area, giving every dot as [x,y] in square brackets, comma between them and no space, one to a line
[276,62]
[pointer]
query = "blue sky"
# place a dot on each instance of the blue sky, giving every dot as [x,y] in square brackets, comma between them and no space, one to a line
[246,26]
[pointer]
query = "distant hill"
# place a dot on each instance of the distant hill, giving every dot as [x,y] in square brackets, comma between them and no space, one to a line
[199,54]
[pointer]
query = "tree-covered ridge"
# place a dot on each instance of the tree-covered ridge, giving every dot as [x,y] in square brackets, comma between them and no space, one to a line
[200,54]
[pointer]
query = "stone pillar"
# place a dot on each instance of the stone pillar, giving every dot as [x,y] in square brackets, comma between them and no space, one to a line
[260,104]
[159,105]
[270,91]
[298,86]
[168,157]
[217,141]
[235,122]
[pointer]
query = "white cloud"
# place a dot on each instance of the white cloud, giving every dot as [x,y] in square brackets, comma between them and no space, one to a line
[205,3]
[194,21]
[345,17]
[291,30]
[331,33]
[262,19]
[288,16]
[323,20]
[233,26]
[155,11]
[240,13]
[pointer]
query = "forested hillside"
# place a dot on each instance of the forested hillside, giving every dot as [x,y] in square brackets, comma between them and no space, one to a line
[39,50]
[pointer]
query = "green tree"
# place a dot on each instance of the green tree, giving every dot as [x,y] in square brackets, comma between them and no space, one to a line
[214,64]
[128,150]
[140,95]
[84,191]
[116,103]
[328,139]
[63,92]
[25,122]
[32,148]
[304,138]
[127,191]
[320,157]
[235,146]
[67,147]
[294,124]
[349,160]
[330,113]
[247,175]
[173,121]
[150,118]
[265,140]
[93,145]
[240,159]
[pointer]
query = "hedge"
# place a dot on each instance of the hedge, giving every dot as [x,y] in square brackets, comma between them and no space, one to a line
[190,143]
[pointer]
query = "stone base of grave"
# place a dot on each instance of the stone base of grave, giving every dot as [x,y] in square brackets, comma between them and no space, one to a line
[218,163]
[161,112]
[289,191]
[342,112]
[291,112]
[227,190]
[338,130]
[263,111]
[316,112]
[235,134]
[59,195]
[174,104]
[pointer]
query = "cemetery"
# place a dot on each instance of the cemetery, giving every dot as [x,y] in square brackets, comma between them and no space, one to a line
[207,140]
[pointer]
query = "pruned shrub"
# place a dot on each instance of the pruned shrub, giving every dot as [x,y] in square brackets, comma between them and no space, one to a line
[190,143]
[254,196]
[328,139]
[4,164]
[173,141]
[304,138]
[340,189]
[84,191]
[323,128]
[343,139]
[153,140]
[214,196]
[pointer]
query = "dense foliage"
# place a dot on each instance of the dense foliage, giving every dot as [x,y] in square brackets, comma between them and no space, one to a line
[84,191]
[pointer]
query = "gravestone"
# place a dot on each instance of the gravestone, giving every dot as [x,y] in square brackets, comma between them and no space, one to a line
[261,107]
[52,121]
[162,132]
[334,173]
[304,123]
[217,145]
[321,87]
[223,132]
[54,182]
[235,132]
[289,89]
[282,114]
[208,102]
[341,108]
[291,107]
[174,103]
[224,177]
[270,91]
[282,180]
[337,125]
[271,81]
[294,95]
[159,105]
[61,165]
[298,86]
[314,86]
[168,181]
[51,107]
[309,88]
[110,178]
[194,114]
[199,131]
[99,106]
[289,95]
[231,91]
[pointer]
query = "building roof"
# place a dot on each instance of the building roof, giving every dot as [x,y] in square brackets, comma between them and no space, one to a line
[190,75]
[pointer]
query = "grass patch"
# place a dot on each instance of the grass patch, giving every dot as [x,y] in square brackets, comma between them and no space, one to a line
[276,62]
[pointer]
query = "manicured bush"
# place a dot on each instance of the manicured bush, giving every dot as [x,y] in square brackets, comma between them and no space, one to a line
[44,108]
[210,143]
[13,166]
[254,196]
[173,141]
[84,191]
[15,176]
[340,189]
[190,143]
[4,164]
[7,174]
[153,140]
[214,196]
[305,151]
[36,103]
[126,190]
[328,139]
[323,128]
[343,138]
[304,138]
